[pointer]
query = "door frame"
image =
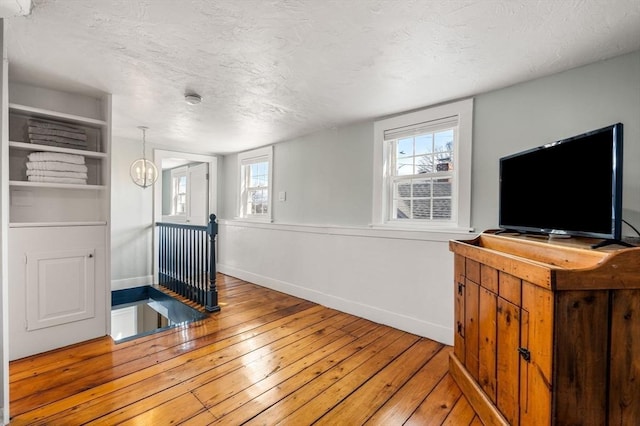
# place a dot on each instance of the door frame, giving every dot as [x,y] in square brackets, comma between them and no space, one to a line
[158,156]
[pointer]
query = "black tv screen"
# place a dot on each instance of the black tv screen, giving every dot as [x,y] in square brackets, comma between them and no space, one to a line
[572,186]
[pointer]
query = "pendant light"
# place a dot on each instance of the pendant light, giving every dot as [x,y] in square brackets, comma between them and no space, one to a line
[143,172]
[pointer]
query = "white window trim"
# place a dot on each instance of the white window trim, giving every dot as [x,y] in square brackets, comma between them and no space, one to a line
[265,154]
[462,166]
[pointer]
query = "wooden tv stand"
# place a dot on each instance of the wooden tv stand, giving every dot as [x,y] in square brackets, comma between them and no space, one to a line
[547,332]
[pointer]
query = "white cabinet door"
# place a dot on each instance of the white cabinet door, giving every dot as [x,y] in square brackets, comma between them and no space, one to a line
[60,287]
[57,287]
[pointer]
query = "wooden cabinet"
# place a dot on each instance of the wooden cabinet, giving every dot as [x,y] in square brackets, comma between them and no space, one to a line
[547,332]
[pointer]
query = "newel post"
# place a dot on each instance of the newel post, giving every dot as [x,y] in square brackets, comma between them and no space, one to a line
[211,304]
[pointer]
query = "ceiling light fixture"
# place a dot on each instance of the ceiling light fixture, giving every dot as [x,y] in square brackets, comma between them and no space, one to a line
[192,98]
[143,172]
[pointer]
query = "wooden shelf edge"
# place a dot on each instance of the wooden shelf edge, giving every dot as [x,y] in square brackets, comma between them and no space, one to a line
[54,224]
[27,184]
[36,147]
[45,113]
[537,272]
[480,402]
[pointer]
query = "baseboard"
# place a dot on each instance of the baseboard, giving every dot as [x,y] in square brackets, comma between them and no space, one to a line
[402,322]
[131,282]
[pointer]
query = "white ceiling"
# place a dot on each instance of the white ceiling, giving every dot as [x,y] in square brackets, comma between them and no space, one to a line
[271,70]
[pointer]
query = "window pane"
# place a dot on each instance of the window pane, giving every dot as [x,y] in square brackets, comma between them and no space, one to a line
[444,141]
[258,175]
[402,209]
[442,209]
[402,190]
[404,166]
[421,188]
[181,204]
[404,147]
[444,165]
[442,187]
[258,200]
[424,144]
[424,164]
[421,209]
[182,185]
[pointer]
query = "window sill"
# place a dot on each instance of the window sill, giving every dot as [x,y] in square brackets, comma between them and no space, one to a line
[253,219]
[369,231]
[423,227]
[174,218]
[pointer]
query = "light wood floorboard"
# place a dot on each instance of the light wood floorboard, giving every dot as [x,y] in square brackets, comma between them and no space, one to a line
[267,358]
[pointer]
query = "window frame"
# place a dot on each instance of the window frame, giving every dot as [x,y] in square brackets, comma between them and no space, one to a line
[245,159]
[461,186]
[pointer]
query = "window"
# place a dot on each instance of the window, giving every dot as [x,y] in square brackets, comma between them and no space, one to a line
[422,168]
[255,184]
[179,191]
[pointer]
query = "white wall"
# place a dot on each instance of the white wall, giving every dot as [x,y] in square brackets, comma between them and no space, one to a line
[402,279]
[131,220]
[320,246]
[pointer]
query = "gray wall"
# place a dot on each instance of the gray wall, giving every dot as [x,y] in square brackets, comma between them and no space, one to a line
[131,217]
[566,104]
[327,175]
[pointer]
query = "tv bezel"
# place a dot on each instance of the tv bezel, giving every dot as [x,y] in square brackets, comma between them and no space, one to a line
[616,182]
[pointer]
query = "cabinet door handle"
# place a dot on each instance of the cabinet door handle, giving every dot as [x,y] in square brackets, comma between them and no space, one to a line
[525,354]
[90,255]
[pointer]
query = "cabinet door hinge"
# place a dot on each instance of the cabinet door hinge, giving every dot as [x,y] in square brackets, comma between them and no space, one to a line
[460,286]
[525,354]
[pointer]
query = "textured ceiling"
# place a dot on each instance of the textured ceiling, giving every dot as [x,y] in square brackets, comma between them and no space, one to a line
[271,70]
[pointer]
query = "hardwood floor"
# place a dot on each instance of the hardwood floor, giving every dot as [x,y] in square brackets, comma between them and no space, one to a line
[267,358]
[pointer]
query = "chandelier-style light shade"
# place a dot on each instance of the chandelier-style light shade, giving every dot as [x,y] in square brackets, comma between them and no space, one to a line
[143,172]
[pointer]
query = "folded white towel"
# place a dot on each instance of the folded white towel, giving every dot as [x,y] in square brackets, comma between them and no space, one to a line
[56,156]
[53,173]
[57,180]
[56,165]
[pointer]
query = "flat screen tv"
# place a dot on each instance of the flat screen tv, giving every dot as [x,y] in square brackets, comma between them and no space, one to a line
[572,186]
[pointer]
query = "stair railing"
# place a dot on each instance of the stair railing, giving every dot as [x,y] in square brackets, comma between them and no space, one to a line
[187,261]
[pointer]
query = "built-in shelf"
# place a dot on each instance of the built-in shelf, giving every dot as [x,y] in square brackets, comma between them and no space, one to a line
[36,147]
[17,183]
[65,225]
[48,114]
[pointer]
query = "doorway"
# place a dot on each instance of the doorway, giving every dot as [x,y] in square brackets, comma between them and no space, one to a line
[186,192]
